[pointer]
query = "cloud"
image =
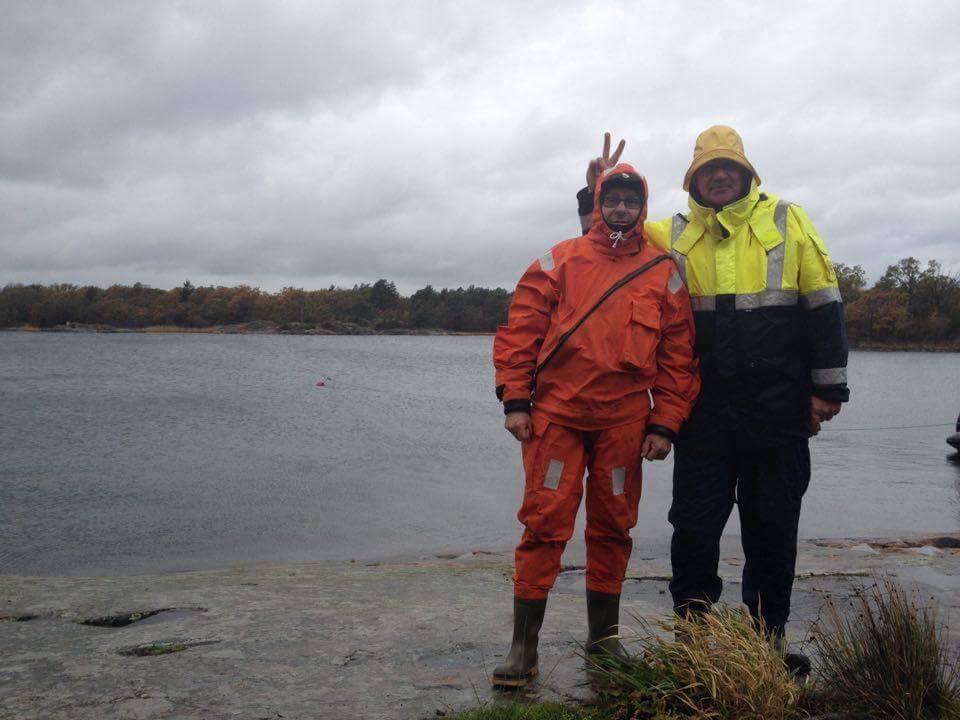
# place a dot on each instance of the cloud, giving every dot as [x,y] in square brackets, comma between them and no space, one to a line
[316,143]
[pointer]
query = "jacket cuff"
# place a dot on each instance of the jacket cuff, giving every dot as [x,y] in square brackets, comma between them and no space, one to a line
[663,431]
[585,202]
[512,406]
[834,393]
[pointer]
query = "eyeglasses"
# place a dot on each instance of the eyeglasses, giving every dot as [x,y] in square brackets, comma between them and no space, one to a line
[633,203]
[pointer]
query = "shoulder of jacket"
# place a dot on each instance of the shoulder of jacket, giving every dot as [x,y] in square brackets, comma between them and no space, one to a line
[790,219]
[659,232]
[769,203]
[795,219]
[558,253]
[800,215]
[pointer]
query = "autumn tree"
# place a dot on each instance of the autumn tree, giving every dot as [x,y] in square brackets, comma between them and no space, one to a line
[852,281]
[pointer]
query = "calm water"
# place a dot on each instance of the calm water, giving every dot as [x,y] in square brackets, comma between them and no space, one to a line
[134,453]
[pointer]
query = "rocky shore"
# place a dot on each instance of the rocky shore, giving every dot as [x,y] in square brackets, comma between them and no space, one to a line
[410,638]
[259,327]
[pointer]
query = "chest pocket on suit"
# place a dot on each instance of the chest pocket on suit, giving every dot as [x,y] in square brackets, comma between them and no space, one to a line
[642,335]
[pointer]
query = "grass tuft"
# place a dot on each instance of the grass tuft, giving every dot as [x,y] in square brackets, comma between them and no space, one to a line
[724,668]
[885,655]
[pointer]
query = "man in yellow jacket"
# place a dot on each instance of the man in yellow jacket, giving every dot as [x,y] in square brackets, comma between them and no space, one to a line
[773,357]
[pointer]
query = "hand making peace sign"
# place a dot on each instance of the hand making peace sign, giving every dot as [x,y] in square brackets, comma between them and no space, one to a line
[598,165]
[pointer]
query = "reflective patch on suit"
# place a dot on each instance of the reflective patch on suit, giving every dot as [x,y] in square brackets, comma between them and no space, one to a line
[554,471]
[619,480]
[676,282]
[546,261]
[767,298]
[681,262]
[811,301]
[704,303]
[775,267]
[780,217]
[829,376]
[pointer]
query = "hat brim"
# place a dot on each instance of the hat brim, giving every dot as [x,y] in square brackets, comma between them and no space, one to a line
[717,154]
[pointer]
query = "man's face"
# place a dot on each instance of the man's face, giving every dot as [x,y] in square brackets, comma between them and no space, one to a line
[621,206]
[720,182]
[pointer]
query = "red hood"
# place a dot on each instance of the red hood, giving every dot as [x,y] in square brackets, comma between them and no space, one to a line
[599,230]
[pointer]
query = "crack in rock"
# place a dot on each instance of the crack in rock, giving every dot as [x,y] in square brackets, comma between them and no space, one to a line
[163,647]
[129,618]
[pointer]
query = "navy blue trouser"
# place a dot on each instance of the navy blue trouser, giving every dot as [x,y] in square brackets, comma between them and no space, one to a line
[768,485]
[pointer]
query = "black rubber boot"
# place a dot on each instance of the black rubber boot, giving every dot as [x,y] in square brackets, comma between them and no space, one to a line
[520,665]
[797,664]
[603,619]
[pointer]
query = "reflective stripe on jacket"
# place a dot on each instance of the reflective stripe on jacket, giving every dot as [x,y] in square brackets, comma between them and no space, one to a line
[638,342]
[768,312]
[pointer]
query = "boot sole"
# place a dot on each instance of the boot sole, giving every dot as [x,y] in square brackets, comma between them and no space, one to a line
[501,681]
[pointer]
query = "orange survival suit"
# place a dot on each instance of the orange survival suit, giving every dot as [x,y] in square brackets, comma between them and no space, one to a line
[591,406]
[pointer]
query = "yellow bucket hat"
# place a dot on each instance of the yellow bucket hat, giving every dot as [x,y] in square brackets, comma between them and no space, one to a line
[717,142]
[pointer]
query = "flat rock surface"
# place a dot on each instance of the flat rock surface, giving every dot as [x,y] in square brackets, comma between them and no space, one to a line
[411,638]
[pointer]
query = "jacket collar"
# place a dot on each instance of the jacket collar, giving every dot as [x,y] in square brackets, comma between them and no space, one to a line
[731,217]
[630,244]
[705,220]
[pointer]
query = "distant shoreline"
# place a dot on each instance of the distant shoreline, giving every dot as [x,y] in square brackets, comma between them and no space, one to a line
[343,328]
[252,328]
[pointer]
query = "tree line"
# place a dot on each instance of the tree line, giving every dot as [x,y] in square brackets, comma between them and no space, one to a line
[910,303]
[377,306]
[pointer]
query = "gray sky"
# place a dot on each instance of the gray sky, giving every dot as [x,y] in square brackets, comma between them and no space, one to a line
[316,143]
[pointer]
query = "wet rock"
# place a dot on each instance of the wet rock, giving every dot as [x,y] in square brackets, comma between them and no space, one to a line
[142,708]
[340,640]
[354,656]
[945,541]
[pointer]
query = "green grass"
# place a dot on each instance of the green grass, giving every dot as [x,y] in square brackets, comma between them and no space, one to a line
[723,669]
[886,655]
[164,648]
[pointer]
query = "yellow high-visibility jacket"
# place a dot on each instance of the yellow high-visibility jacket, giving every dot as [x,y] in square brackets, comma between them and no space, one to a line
[768,312]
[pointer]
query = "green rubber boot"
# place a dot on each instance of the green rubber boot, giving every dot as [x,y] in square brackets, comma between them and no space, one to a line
[520,666]
[603,619]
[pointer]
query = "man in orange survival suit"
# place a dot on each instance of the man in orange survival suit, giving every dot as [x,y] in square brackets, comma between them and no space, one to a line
[591,408]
